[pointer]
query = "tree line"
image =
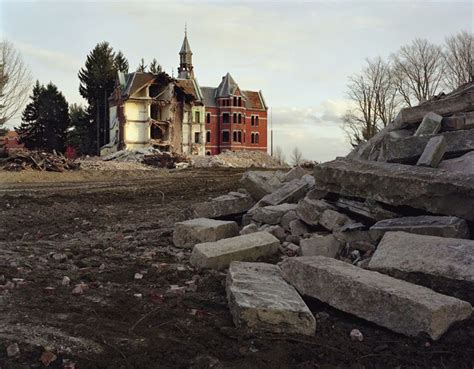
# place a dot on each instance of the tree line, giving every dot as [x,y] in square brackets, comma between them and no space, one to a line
[48,121]
[413,74]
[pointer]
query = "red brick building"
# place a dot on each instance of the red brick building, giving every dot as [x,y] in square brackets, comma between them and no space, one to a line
[235,119]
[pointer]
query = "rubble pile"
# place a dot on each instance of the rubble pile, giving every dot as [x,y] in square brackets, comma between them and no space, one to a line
[165,160]
[237,159]
[37,160]
[383,234]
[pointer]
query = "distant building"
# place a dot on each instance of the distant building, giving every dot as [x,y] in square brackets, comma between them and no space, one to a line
[10,142]
[178,115]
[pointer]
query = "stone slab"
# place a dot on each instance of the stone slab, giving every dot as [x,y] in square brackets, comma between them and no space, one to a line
[395,304]
[309,210]
[433,190]
[272,214]
[369,210]
[290,192]
[219,254]
[318,245]
[231,204]
[332,219]
[433,152]
[191,232]
[409,149]
[295,173]
[443,264]
[260,299]
[258,183]
[429,225]
[430,125]
[463,164]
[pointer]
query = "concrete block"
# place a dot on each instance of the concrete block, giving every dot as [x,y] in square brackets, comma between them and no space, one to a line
[289,193]
[443,264]
[395,304]
[231,204]
[219,254]
[191,232]
[433,152]
[309,211]
[317,245]
[430,125]
[260,299]
[272,214]
[332,220]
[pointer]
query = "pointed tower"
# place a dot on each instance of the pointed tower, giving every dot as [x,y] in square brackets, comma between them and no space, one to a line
[185,70]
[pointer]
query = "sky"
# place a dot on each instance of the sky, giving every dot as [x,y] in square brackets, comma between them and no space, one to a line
[300,54]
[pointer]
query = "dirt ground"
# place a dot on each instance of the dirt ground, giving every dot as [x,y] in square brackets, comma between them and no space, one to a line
[101,229]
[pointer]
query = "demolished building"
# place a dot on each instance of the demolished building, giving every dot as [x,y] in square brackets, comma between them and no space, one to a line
[176,114]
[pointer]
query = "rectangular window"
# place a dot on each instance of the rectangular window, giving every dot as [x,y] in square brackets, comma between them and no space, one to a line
[225,136]
[237,136]
[235,117]
[197,137]
[208,118]
[256,120]
[197,117]
[225,118]
[240,118]
[208,136]
[252,121]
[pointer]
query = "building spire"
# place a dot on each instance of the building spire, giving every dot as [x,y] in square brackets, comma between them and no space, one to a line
[185,69]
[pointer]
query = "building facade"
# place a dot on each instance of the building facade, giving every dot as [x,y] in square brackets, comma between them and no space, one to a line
[180,116]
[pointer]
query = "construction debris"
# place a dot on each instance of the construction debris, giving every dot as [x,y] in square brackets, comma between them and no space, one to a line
[38,160]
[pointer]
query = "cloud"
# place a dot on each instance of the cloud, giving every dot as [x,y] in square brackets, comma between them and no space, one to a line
[51,58]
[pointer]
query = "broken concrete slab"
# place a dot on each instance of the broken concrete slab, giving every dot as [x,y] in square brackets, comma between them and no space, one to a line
[458,101]
[395,304]
[430,125]
[409,149]
[219,254]
[433,152]
[453,123]
[332,219]
[371,211]
[249,228]
[436,191]
[231,204]
[463,164]
[290,192]
[443,264]
[258,183]
[429,225]
[298,228]
[191,232]
[287,218]
[309,211]
[295,173]
[260,299]
[272,214]
[319,245]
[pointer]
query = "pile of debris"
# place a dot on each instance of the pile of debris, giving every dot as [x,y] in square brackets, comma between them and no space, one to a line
[384,241]
[166,160]
[237,159]
[37,160]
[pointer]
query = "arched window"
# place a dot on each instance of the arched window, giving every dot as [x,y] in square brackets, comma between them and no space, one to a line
[240,118]
[235,117]
[208,117]
[252,138]
[256,120]
[252,121]
[208,136]
[208,152]
[235,101]
[256,138]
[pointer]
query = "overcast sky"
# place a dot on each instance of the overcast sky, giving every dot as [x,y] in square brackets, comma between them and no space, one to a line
[298,53]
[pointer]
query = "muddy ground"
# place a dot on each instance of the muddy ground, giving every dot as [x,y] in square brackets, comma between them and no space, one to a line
[102,233]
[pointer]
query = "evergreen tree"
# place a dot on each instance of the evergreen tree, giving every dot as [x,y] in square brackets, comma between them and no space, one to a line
[141,67]
[154,67]
[45,120]
[121,63]
[97,82]
[81,136]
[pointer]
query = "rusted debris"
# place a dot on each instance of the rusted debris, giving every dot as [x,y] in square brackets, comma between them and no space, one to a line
[38,160]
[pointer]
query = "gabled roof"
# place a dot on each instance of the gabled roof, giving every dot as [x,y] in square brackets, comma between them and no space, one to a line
[227,86]
[190,87]
[209,96]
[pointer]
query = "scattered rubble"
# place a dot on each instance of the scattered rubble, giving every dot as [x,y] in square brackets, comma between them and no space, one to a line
[191,232]
[37,160]
[237,159]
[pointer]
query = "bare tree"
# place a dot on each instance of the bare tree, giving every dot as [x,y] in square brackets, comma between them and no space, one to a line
[296,157]
[459,57]
[278,155]
[375,101]
[15,82]
[418,69]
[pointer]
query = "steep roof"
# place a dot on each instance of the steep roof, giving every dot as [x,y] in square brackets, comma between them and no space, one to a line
[209,96]
[190,87]
[254,100]
[136,81]
[227,86]
[185,48]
